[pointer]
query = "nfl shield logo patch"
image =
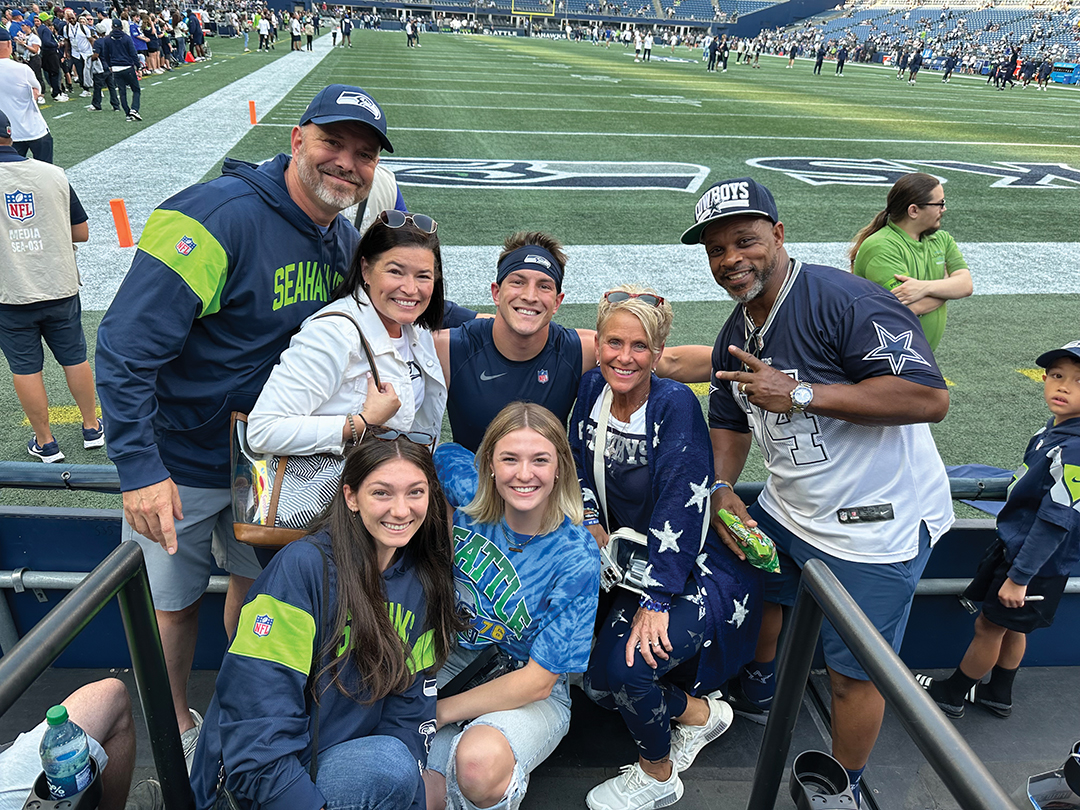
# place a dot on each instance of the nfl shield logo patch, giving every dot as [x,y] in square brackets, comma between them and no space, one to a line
[263,623]
[185,245]
[20,205]
[542,376]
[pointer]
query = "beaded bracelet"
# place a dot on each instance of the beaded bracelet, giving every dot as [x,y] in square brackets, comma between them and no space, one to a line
[352,426]
[655,605]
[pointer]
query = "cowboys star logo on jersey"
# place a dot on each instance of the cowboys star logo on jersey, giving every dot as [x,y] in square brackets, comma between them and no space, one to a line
[20,205]
[896,349]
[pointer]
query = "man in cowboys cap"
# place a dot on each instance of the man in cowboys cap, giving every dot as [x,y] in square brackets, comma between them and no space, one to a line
[225,273]
[834,378]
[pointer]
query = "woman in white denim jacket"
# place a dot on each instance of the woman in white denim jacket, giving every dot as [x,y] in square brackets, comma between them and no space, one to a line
[321,396]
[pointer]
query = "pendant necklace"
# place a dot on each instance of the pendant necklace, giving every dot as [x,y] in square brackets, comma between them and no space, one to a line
[512,542]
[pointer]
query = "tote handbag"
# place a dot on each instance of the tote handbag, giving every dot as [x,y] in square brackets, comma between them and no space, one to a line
[274,498]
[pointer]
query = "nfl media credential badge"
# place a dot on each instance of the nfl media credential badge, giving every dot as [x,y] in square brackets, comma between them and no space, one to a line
[263,623]
[185,245]
[20,205]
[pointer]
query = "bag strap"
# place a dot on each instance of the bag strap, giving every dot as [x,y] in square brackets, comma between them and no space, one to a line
[313,767]
[363,341]
[599,447]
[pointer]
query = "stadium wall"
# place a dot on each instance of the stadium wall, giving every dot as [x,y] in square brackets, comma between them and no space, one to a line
[751,23]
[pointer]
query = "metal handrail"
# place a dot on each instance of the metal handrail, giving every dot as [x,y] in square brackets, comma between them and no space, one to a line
[104,478]
[821,595]
[122,574]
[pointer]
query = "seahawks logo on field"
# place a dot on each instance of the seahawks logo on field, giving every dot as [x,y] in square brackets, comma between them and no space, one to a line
[589,175]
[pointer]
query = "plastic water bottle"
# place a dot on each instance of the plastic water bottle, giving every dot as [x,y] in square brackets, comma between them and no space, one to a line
[65,755]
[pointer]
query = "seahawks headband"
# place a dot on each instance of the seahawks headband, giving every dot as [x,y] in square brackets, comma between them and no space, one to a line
[531,257]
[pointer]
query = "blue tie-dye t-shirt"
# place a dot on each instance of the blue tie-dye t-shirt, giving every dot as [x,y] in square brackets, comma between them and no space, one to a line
[538,603]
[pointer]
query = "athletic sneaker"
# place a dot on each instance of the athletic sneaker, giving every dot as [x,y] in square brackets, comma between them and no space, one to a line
[92,108]
[190,738]
[134,115]
[744,706]
[978,695]
[41,99]
[633,789]
[93,437]
[145,796]
[48,453]
[687,741]
[950,710]
[61,97]
[85,94]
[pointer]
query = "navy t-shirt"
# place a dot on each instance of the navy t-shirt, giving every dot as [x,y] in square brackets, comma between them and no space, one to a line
[483,382]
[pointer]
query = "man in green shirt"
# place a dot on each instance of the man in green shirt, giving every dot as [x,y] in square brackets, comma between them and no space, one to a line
[903,251]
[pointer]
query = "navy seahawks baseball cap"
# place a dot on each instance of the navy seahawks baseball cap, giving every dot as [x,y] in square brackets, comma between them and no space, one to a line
[4,35]
[1070,350]
[343,102]
[741,197]
[5,125]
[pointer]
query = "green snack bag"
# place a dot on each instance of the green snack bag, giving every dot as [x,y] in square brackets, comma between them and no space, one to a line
[759,548]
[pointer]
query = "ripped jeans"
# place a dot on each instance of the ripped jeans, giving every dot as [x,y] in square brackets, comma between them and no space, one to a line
[533,731]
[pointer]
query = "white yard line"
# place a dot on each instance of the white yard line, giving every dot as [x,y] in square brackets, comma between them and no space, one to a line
[199,138]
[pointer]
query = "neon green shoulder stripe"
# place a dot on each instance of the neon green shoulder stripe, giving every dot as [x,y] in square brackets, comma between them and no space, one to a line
[186,247]
[1072,482]
[275,631]
[423,653]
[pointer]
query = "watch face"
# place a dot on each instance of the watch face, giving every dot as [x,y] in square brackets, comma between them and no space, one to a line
[802,395]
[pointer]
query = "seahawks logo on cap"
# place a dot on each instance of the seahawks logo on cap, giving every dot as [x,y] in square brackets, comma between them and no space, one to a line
[360,100]
[532,259]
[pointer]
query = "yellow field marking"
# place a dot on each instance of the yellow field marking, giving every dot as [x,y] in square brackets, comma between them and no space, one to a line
[701,389]
[62,415]
[949,382]
[1035,374]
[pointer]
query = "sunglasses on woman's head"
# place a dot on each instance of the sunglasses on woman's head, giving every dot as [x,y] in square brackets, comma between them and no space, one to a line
[385,434]
[392,218]
[616,296]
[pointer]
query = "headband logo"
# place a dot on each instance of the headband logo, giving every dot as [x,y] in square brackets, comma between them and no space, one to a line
[533,259]
[360,100]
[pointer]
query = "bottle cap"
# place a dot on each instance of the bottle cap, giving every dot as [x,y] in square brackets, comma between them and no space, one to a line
[56,716]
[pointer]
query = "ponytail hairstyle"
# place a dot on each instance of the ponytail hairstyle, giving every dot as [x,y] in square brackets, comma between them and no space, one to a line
[361,629]
[911,189]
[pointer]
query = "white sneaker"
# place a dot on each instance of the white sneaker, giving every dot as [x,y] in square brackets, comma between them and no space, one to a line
[41,100]
[687,741]
[633,789]
[190,738]
[85,94]
[61,97]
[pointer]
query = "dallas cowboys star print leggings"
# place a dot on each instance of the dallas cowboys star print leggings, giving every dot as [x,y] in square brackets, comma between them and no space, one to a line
[640,693]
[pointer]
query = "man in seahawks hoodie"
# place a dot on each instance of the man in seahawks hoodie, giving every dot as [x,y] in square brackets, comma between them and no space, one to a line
[225,273]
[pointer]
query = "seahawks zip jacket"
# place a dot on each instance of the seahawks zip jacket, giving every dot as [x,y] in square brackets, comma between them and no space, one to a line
[225,273]
[1040,522]
[259,724]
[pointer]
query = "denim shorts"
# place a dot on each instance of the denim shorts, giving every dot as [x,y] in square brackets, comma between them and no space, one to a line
[883,590]
[533,731]
[59,323]
[178,580]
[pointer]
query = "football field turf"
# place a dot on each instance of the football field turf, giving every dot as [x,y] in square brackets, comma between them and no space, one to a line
[497,134]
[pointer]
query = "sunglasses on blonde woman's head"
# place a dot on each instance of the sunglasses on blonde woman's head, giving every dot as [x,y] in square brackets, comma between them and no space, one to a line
[392,218]
[617,296]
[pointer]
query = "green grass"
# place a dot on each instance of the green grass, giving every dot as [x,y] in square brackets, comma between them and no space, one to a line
[502,107]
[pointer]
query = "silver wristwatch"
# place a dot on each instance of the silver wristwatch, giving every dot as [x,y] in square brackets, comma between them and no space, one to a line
[801,397]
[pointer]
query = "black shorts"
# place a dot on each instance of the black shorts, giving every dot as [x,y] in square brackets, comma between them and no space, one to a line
[991,574]
[59,324]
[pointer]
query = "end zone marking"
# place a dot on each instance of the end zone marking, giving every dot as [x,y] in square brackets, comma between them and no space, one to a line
[1035,374]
